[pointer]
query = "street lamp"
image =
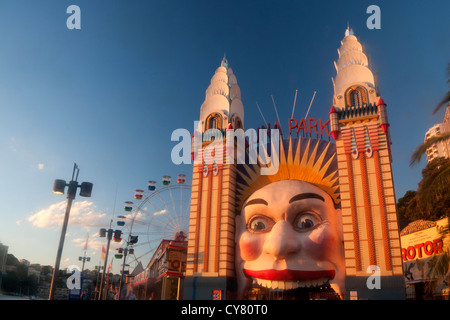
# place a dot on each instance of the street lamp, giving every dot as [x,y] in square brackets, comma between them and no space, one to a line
[84,259]
[58,188]
[108,233]
[132,240]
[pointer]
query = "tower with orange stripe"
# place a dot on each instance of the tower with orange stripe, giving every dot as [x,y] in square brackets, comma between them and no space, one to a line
[358,123]
[210,266]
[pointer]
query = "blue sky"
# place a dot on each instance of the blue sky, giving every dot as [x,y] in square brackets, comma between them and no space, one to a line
[108,96]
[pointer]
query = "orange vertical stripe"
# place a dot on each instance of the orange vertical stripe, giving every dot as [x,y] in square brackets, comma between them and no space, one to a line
[367,210]
[197,222]
[353,211]
[208,221]
[219,215]
[384,226]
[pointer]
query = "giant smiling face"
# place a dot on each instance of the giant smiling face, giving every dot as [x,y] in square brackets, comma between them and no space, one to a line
[288,235]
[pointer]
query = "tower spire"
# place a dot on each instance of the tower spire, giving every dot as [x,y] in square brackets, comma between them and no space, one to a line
[352,65]
[224,62]
[349,31]
[222,104]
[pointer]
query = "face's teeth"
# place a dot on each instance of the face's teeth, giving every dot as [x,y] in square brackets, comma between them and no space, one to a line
[288,285]
[275,284]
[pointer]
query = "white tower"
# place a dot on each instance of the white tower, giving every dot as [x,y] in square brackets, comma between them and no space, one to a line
[210,257]
[222,105]
[360,127]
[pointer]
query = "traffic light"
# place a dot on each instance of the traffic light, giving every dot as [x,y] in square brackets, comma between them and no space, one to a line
[102,233]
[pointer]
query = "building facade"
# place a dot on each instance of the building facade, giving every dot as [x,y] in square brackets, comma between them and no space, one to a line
[163,277]
[439,149]
[358,197]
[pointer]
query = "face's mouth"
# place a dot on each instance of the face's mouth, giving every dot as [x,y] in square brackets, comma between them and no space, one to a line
[290,279]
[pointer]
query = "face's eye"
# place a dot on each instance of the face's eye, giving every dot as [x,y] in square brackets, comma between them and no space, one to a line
[260,224]
[307,221]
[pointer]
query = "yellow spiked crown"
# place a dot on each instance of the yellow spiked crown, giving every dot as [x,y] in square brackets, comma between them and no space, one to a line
[307,159]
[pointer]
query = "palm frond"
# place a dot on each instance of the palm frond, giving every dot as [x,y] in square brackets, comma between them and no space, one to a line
[445,232]
[422,149]
[444,101]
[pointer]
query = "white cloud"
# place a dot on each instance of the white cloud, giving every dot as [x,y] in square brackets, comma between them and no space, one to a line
[40,166]
[82,213]
[157,213]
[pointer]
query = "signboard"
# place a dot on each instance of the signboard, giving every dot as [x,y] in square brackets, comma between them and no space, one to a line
[74,294]
[423,243]
[216,295]
[419,248]
[305,127]
[177,261]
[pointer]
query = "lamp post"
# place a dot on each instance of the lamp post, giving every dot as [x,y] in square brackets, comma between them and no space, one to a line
[103,233]
[126,251]
[131,241]
[84,259]
[58,188]
[117,238]
[98,268]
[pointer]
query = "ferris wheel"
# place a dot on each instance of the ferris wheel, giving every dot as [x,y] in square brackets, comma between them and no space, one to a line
[156,214]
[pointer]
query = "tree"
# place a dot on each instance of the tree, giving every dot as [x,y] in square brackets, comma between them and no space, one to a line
[435,187]
[18,280]
[431,201]
[403,204]
[432,195]
[406,207]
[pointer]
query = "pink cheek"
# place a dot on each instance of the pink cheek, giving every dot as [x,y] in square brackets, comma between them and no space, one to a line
[251,246]
[319,245]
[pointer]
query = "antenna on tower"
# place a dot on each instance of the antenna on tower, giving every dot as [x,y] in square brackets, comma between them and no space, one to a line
[261,113]
[224,61]
[293,107]
[310,105]
[275,107]
[375,76]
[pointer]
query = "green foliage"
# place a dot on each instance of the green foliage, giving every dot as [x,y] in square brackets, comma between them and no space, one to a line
[431,201]
[18,280]
[406,205]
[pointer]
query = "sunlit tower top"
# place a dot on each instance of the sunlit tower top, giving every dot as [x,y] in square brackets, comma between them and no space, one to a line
[352,68]
[222,106]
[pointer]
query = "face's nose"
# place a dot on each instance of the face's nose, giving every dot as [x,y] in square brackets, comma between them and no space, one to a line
[282,241]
